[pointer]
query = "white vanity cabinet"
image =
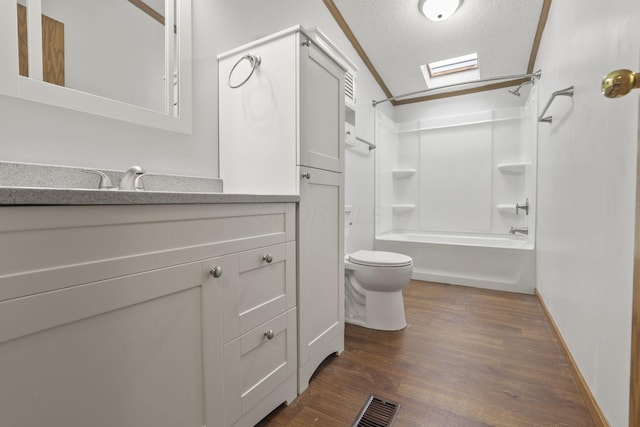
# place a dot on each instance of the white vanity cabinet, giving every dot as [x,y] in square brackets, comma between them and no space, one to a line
[111,316]
[282,131]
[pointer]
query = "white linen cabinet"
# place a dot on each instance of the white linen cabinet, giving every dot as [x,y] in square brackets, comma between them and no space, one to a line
[281,131]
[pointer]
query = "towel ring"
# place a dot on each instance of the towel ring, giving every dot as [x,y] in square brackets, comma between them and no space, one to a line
[255,61]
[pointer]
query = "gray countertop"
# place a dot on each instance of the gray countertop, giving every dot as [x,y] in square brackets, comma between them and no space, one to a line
[73,196]
[34,184]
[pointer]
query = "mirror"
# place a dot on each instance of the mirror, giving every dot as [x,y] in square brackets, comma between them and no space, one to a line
[113,58]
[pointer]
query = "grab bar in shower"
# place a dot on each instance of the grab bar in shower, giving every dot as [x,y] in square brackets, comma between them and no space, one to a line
[371,145]
[564,92]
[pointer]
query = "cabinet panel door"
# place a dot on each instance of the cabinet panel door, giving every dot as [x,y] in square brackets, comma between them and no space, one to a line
[320,266]
[321,111]
[119,352]
[254,289]
[257,363]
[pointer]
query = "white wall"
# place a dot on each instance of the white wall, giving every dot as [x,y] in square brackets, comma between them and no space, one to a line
[586,191]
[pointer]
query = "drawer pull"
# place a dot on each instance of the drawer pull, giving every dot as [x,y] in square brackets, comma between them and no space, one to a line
[268,258]
[269,334]
[216,272]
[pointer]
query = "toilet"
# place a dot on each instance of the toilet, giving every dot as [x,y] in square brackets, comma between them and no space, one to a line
[373,289]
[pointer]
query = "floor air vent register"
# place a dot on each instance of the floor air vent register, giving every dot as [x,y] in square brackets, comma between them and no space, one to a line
[377,412]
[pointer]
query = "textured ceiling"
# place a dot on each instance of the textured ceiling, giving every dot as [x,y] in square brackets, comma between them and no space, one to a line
[397,38]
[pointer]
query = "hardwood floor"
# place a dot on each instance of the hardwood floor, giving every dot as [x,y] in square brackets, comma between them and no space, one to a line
[468,357]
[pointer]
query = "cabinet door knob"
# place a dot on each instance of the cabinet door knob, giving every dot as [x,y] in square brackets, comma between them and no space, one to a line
[307,175]
[268,258]
[216,271]
[269,334]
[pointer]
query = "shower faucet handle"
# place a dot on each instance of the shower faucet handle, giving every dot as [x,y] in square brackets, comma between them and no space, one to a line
[524,207]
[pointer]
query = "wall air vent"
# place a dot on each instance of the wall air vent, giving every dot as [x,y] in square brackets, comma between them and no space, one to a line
[349,88]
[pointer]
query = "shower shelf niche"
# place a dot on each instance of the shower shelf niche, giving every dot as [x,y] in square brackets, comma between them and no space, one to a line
[403,173]
[512,168]
[406,207]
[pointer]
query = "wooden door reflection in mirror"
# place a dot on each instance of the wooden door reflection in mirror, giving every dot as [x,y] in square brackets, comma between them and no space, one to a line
[52,47]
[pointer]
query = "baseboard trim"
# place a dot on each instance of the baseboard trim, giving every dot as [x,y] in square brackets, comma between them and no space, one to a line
[596,413]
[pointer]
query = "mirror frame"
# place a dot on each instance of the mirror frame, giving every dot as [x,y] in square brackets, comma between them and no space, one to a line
[34,89]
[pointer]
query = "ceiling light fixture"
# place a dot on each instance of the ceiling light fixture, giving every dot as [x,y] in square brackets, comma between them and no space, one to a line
[438,10]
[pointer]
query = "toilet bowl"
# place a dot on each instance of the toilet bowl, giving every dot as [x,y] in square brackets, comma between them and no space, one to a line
[373,289]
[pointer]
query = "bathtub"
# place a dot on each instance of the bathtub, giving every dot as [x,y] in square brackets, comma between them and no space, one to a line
[500,262]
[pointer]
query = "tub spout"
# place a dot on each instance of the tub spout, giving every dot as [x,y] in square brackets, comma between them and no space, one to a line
[521,230]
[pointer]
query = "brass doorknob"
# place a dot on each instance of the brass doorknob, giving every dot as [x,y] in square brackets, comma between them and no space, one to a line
[619,83]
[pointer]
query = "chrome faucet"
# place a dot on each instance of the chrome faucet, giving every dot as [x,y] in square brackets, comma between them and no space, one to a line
[131,179]
[521,230]
[105,181]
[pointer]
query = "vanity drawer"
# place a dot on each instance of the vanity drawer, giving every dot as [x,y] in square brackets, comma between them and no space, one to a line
[257,363]
[257,285]
[102,242]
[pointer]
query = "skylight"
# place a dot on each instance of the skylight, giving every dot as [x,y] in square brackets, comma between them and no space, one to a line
[460,69]
[453,65]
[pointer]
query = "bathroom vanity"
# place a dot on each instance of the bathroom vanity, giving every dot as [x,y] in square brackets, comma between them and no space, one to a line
[146,308]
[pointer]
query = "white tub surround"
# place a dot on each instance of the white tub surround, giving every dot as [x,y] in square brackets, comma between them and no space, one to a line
[454,177]
[503,263]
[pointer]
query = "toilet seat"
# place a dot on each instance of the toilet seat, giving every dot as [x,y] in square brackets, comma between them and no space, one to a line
[380,259]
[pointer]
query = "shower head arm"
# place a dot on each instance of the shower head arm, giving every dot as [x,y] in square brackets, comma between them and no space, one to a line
[516,91]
